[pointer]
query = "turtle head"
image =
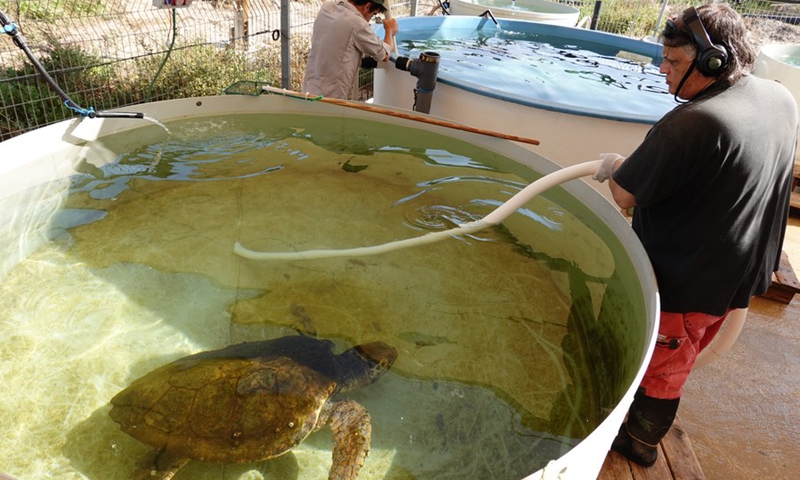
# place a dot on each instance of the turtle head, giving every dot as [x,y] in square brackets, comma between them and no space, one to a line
[369,362]
[380,356]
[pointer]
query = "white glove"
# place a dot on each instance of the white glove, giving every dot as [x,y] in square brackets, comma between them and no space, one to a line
[606,168]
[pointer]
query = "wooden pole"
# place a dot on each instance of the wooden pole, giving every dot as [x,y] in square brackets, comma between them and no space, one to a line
[246,14]
[385,111]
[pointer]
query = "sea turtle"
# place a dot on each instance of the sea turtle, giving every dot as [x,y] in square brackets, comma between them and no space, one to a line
[250,402]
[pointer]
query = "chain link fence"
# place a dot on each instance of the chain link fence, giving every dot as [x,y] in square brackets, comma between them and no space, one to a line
[107,55]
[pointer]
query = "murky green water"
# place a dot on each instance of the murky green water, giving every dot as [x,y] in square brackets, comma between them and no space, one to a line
[514,342]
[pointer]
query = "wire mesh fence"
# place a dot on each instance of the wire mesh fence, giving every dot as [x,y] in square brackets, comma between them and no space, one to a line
[112,54]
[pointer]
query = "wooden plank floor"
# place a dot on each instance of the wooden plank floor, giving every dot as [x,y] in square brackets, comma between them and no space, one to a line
[676,461]
[795,200]
[784,282]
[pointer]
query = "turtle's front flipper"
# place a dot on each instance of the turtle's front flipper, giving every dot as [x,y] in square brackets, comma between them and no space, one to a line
[352,431]
[158,465]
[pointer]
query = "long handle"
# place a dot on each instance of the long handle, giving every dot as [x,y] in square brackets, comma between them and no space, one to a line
[496,216]
[385,111]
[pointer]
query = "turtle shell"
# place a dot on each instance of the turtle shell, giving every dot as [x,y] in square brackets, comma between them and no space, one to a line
[243,403]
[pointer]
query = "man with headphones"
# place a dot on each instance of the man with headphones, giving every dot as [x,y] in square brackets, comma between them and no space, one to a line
[710,186]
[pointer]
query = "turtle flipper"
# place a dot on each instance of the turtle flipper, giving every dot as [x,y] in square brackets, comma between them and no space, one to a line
[158,465]
[352,431]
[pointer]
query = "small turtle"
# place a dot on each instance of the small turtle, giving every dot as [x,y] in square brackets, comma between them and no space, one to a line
[250,402]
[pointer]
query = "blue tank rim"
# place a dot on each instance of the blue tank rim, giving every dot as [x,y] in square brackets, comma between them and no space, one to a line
[443,23]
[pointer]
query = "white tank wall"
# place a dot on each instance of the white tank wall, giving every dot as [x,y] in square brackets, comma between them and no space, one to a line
[770,65]
[39,164]
[533,10]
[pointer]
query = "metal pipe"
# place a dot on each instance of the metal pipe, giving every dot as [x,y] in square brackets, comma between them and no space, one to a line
[489,14]
[596,14]
[286,46]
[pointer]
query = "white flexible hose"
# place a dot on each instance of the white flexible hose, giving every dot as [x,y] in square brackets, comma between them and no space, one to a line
[496,216]
[726,338]
[720,345]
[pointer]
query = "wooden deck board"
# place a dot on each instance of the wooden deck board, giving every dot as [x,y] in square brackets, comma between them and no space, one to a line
[784,282]
[676,461]
[680,455]
[615,467]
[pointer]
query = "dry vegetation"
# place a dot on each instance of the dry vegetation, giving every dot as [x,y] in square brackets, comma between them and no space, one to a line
[772,31]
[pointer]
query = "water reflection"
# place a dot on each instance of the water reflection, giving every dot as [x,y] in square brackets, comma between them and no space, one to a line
[546,68]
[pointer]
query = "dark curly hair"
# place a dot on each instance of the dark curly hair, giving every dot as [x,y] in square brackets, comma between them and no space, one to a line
[726,28]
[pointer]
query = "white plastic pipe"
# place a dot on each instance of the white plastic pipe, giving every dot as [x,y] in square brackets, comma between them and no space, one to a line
[496,216]
[725,339]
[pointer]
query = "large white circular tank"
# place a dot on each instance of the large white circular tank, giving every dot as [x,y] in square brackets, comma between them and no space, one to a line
[35,180]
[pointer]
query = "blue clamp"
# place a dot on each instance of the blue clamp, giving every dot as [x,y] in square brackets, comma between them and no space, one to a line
[10,28]
[81,111]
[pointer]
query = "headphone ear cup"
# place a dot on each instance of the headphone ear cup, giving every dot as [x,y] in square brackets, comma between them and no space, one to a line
[712,60]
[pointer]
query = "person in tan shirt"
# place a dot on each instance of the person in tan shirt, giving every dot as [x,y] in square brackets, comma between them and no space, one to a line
[342,36]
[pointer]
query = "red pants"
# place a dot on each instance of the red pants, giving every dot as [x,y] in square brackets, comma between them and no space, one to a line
[681,336]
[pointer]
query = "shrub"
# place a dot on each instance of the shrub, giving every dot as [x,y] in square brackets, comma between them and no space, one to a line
[27,102]
[49,10]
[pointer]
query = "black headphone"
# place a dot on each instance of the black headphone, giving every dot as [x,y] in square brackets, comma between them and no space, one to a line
[711,58]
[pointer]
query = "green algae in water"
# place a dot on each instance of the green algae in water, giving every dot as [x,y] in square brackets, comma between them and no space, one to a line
[514,342]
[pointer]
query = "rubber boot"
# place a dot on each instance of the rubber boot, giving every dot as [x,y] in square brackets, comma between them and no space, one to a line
[649,419]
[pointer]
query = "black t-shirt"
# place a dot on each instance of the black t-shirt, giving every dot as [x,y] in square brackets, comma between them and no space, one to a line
[712,181]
